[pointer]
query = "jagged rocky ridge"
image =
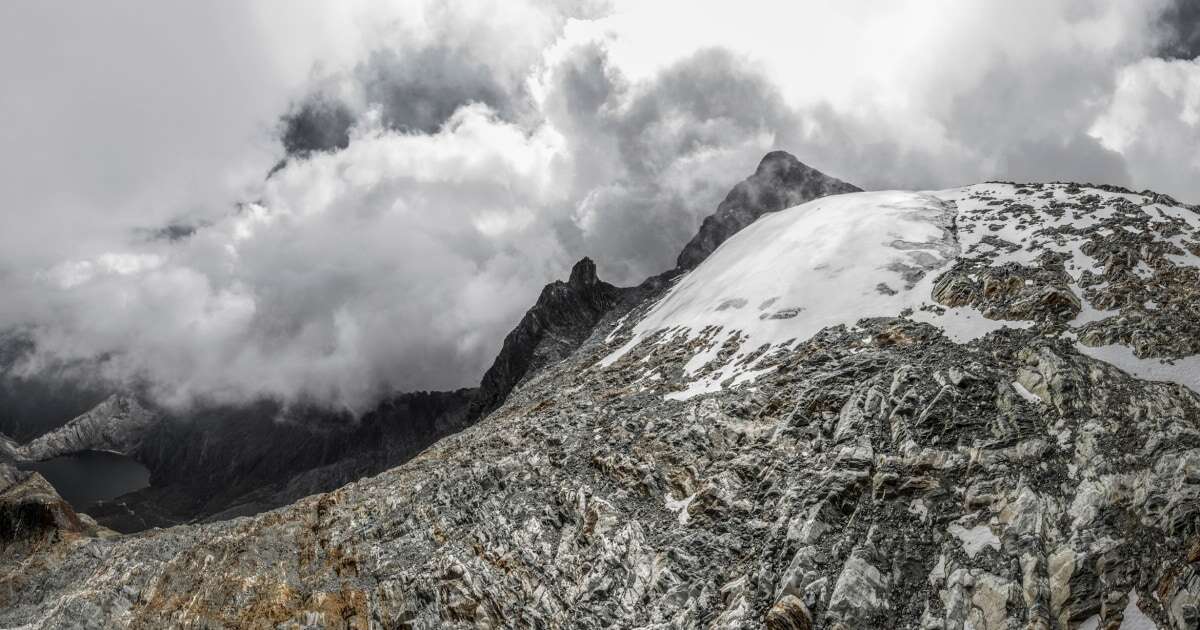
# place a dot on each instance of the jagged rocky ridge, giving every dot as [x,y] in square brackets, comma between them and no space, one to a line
[562,318]
[780,181]
[927,468]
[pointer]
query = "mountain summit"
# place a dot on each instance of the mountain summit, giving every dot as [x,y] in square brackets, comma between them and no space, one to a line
[780,181]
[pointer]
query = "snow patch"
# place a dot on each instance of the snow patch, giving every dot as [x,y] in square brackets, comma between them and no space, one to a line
[918,508]
[695,388]
[1025,393]
[680,506]
[1185,371]
[975,539]
[964,324]
[1132,618]
[788,275]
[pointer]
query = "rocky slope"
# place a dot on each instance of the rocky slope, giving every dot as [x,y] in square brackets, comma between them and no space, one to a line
[879,410]
[119,424]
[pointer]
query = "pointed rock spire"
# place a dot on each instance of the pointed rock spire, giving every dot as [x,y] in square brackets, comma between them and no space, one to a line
[780,181]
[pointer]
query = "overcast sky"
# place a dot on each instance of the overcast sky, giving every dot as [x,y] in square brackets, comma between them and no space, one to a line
[433,164]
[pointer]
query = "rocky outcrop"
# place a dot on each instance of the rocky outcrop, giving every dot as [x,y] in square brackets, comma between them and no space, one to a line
[561,319]
[1011,292]
[32,515]
[780,181]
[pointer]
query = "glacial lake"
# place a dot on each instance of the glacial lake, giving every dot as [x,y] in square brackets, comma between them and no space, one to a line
[84,478]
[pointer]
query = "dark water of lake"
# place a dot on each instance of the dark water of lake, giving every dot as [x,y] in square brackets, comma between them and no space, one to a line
[92,476]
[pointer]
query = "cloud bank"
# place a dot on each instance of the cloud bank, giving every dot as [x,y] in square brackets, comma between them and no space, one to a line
[432,165]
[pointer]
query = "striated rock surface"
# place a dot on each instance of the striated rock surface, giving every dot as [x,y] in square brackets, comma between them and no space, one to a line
[691,464]
[780,181]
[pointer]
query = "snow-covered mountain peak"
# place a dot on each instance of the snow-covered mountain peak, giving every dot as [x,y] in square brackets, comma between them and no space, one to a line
[1109,267]
[788,275]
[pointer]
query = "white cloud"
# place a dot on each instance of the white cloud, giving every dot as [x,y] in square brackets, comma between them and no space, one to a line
[1153,120]
[492,144]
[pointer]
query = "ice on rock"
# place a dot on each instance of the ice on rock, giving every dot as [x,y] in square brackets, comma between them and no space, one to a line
[842,258]
[963,323]
[788,275]
[1184,371]
[975,539]
[1025,393]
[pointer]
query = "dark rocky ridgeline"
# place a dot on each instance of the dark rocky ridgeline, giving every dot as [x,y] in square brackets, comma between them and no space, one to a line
[562,318]
[780,181]
[567,313]
[224,461]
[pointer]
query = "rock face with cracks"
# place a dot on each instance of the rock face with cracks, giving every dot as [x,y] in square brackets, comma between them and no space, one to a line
[961,463]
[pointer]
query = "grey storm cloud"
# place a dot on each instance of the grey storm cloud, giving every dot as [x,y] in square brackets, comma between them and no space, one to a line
[417,86]
[1180,23]
[319,123]
[432,165]
[415,91]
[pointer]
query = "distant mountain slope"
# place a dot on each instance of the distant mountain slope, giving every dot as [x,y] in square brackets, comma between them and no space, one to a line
[224,461]
[221,462]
